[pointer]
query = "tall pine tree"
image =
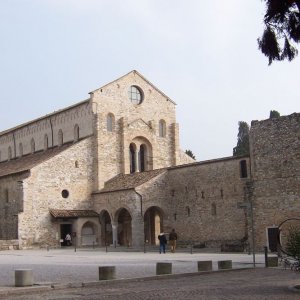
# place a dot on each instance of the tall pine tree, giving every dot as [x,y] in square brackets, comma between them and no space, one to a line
[242,147]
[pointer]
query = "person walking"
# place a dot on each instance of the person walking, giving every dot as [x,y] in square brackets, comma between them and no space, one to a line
[162,242]
[68,239]
[173,240]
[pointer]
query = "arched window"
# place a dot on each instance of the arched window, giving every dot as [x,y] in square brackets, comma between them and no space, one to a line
[143,158]
[46,142]
[110,122]
[188,211]
[20,149]
[32,145]
[60,137]
[76,133]
[132,155]
[214,209]
[243,169]
[9,153]
[162,128]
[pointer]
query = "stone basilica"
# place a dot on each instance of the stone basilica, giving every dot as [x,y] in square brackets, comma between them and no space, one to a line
[109,170]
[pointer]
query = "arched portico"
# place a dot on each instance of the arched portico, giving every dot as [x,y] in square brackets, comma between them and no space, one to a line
[140,155]
[89,234]
[153,224]
[124,227]
[106,228]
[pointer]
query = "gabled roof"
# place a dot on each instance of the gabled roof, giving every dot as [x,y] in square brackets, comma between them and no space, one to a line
[71,213]
[129,181]
[27,162]
[140,75]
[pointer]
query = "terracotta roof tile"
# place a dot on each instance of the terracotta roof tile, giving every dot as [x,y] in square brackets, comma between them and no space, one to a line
[29,161]
[66,213]
[130,181]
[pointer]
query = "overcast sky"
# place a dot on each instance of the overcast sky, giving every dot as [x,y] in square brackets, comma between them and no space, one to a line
[202,54]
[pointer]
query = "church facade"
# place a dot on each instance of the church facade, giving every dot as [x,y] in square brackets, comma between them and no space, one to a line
[109,170]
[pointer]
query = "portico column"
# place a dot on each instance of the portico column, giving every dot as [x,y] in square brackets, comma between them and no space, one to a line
[114,226]
[136,158]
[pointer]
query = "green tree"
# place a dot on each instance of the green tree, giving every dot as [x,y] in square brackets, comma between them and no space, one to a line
[274,114]
[190,153]
[282,30]
[293,242]
[242,147]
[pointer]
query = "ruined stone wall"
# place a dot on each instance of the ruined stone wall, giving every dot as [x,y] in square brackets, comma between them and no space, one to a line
[18,141]
[275,164]
[72,171]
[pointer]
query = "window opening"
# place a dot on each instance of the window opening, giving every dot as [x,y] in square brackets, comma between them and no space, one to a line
[243,169]
[142,158]
[110,123]
[76,133]
[132,149]
[162,128]
[60,137]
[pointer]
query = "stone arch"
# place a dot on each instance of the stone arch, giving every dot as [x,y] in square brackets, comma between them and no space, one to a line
[162,128]
[9,153]
[124,227]
[46,142]
[110,122]
[106,228]
[141,156]
[76,133]
[60,137]
[153,224]
[88,234]
[32,145]
[20,149]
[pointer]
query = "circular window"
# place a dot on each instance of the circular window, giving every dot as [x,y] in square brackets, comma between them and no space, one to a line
[65,193]
[135,95]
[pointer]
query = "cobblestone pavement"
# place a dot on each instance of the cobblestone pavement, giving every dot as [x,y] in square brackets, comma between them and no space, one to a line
[254,284]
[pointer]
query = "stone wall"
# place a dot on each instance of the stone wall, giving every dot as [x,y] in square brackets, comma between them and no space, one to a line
[11,204]
[19,140]
[203,201]
[72,171]
[133,122]
[275,164]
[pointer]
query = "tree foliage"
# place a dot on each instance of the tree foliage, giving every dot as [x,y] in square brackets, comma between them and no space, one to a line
[282,30]
[242,147]
[274,114]
[190,153]
[293,242]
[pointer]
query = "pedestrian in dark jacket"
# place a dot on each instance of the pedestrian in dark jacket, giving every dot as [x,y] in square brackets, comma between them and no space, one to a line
[162,242]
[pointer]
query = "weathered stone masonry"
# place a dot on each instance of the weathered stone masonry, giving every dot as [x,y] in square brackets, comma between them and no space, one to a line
[110,171]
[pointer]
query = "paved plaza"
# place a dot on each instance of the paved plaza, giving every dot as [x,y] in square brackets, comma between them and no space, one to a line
[64,267]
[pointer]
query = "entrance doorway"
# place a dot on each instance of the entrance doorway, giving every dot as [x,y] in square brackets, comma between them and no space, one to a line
[64,230]
[272,235]
[153,221]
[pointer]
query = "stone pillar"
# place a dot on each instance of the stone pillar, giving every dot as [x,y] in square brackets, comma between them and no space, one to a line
[107,273]
[137,230]
[224,264]
[114,226]
[204,265]
[163,268]
[23,277]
